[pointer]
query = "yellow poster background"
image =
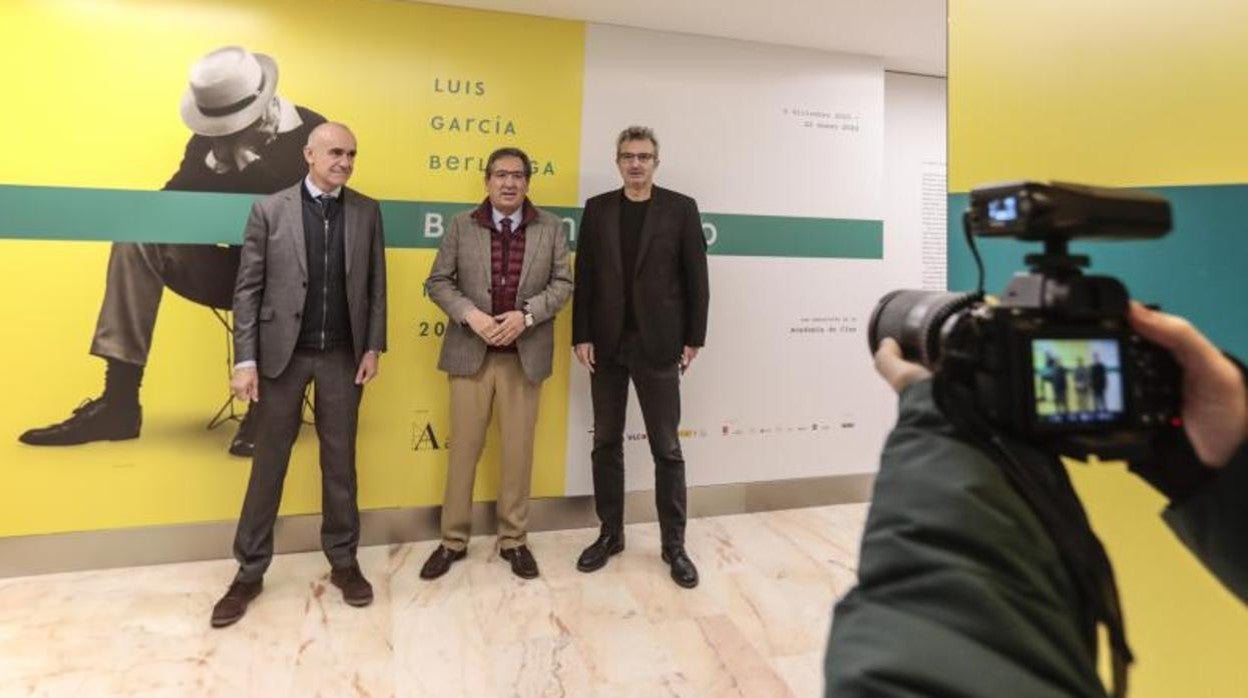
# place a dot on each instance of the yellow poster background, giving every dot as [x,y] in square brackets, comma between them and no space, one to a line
[94,89]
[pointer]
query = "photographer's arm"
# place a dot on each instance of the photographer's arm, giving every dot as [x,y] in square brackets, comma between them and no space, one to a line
[961,591]
[1206,475]
[1213,523]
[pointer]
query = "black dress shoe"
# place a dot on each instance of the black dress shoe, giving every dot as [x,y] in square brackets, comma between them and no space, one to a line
[356,590]
[601,550]
[233,605]
[522,563]
[683,571]
[244,442]
[440,561]
[93,420]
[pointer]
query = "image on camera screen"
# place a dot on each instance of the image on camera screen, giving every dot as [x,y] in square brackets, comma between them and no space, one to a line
[1077,381]
[1003,210]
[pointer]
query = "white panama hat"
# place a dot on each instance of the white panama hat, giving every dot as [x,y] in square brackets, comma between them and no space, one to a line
[230,89]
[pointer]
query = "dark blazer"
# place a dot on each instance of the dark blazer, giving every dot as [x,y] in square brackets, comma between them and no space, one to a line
[671,292]
[273,279]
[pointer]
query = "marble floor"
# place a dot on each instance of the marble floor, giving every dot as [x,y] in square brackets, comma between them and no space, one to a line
[756,626]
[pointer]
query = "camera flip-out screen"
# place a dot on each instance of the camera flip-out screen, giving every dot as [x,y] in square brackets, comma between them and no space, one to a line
[1077,381]
[1003,210]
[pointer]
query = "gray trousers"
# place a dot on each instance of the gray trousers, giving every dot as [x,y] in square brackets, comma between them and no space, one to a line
[279,411]
[138,273]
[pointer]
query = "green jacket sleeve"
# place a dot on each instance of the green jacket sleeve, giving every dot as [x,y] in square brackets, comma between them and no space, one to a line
[961,591]
[1213,523]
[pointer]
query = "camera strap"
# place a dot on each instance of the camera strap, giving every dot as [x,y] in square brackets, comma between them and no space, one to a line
[1045,486]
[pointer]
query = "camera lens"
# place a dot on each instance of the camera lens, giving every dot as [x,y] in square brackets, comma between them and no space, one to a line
[914,319]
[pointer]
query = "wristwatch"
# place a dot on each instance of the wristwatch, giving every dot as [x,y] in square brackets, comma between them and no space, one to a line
[528,319]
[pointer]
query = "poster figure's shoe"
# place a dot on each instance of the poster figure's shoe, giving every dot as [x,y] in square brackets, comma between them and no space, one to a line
[93,420]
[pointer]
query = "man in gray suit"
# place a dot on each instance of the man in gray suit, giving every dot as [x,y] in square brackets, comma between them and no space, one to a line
[309,306]
[501,275]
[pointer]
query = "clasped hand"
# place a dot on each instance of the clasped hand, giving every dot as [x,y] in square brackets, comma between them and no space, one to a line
[498,330]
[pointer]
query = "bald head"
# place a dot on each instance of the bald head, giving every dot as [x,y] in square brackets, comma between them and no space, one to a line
[330,153]
[328,131]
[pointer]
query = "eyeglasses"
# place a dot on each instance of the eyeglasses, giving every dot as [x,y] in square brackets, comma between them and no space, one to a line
[508,175]
[643,158]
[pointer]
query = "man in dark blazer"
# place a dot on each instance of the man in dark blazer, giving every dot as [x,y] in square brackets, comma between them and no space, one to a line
[501,276]
[247,140]
[639,313]
[309,306]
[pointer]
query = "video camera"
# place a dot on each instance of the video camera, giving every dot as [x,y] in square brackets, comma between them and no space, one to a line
[1054,362]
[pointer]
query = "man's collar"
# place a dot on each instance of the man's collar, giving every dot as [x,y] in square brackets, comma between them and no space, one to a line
[316,191]
[484,215]
[649,194]
[516,216]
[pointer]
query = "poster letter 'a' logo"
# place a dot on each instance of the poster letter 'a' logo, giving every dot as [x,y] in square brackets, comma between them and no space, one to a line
[425,438]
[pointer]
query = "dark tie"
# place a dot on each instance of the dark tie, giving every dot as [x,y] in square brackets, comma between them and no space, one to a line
[324,200]
[504,226]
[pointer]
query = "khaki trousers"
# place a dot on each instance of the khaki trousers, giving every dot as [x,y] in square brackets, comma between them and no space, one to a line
[499,384]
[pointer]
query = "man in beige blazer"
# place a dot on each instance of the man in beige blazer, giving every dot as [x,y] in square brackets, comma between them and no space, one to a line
[309,307]
[501,276]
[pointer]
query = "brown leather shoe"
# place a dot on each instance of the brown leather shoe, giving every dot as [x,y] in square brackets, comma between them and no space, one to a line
[440,561]
[356,590]
[522,563]
[233,605]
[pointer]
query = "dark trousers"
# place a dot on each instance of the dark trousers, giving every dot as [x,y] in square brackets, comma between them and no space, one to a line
[658,392]
[279,412]
[138,273]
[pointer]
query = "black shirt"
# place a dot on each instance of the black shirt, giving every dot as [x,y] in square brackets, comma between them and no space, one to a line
[632,217]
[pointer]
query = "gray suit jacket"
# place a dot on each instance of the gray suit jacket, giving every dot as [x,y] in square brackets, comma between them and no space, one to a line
[460,281]
[273,278]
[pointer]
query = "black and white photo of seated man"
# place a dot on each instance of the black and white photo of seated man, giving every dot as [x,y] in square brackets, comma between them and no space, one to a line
[246,140]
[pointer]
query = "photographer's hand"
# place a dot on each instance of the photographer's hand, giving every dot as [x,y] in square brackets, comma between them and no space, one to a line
[1215,401]
[898,372]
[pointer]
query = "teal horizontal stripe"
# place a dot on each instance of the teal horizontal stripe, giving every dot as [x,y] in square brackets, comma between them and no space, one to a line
[1197,271]
[117,215]
[770,236]
[63,213]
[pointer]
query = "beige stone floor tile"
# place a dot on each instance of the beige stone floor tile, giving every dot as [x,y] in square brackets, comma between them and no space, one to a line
[755,626]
